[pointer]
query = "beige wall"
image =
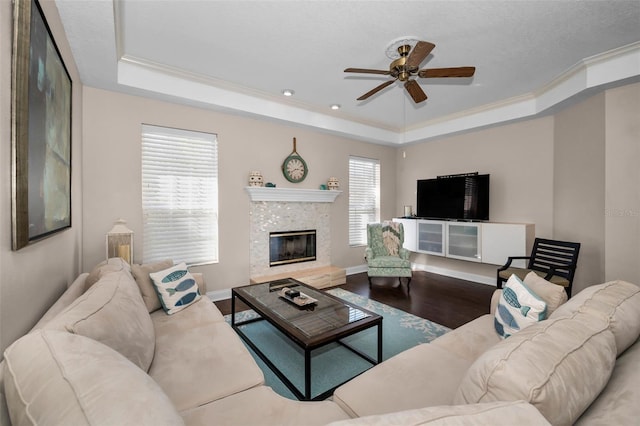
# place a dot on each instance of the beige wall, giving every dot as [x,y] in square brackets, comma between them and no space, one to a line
[538,172]
[579,185]
[519,158]
[574,174]
[112,186]
[33,277]
[622,187]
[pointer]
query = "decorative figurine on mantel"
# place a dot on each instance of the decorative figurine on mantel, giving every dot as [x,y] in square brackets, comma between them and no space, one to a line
[256,179]
[333,184]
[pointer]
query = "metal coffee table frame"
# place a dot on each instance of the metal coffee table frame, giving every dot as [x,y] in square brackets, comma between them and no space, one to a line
[308,344]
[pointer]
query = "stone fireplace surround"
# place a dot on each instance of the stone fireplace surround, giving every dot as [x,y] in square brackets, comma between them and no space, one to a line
[282,209]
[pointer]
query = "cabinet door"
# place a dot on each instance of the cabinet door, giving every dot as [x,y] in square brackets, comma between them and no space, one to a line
[410,233]
[501,240]
[431,237]
[464,241]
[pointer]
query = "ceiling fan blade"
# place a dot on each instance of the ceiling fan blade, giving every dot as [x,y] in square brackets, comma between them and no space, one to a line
[420,51]
[375,90]
[415,91]
[447,72]
[368,71]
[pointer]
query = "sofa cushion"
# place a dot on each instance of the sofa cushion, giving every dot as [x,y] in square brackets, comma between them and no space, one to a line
[176,288]
[114,264]
[560,366]
[554,295]
[518,308]
[422,376]
[148,291]
[267,408]
[470,340]
[112,312]
[51,377]
[490,413]
[617,302]
[199,314]
[618,402]
[196,363]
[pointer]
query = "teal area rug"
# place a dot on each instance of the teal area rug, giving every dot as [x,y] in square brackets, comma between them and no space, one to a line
[333,364]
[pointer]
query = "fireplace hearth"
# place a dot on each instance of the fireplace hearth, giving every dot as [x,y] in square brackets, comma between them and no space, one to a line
[287,247]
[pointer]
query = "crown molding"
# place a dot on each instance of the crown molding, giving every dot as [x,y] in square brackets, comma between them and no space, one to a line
[598,71]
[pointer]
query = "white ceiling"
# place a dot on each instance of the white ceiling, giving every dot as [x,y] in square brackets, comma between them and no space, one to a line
[237,56]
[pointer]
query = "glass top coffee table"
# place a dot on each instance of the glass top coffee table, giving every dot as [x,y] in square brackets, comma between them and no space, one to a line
[327,319]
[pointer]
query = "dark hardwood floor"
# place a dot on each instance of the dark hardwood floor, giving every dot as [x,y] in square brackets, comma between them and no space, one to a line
[444,300]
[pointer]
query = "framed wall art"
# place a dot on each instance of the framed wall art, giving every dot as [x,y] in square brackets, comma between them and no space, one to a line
[41,130]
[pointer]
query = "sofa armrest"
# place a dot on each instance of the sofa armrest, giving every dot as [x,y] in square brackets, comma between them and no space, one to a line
[487,413]
[73,291]
[494,301]
[4,410]
[202,285]
[368,253]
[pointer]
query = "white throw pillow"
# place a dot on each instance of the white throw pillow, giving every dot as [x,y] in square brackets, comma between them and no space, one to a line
[176,288]
[518,308]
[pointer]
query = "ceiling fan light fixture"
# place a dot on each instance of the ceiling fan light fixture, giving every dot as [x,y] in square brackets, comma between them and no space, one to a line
[392,48]
[335,106]
[288,92]
[408,65]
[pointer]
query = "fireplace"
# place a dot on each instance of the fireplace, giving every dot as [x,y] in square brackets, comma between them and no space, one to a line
[286,247]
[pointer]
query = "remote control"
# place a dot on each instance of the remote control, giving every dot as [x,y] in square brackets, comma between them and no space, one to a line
[292,293]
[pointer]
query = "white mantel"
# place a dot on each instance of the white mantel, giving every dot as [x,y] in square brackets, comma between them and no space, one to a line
[260,193]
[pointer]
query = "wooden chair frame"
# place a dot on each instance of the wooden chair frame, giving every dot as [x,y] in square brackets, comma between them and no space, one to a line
[550,258]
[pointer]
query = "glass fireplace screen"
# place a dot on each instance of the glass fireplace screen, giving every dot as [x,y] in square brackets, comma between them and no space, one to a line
[292,247]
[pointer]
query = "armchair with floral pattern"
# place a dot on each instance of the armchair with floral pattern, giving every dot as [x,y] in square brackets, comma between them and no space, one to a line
[384,253]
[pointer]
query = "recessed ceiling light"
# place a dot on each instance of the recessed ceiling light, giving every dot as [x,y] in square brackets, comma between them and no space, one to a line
[335,106]
[288,92]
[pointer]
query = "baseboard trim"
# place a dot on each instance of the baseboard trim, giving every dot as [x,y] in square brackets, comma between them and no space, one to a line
[217,295]
[436,270]
[482,279]
[352,270]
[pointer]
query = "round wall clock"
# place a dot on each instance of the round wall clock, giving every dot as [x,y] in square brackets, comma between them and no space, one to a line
[294,167]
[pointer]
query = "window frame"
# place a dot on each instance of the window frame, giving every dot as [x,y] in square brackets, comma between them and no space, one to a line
[179,195]
[360,204]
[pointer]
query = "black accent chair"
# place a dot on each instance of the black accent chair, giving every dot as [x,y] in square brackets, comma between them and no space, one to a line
[553,260]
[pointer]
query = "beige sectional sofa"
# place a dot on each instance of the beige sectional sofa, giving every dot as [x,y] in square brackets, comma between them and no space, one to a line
[581,365]
[105,355]
[99,357]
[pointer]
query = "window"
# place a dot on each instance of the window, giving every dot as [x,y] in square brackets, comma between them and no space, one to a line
[179,195]
[364,197]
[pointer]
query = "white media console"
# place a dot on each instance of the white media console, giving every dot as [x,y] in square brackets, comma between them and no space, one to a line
[484,242]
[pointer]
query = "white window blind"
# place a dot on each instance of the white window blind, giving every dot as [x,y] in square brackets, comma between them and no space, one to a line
[179,195]
[364,197]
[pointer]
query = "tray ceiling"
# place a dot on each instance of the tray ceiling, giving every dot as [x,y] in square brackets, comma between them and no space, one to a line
[238,56]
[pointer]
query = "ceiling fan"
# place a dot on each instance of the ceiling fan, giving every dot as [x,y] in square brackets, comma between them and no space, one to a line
[407,66]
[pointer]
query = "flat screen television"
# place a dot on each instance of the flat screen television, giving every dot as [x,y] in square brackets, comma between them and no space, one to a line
[461,197]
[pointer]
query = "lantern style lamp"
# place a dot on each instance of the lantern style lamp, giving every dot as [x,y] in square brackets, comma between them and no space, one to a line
[120,241]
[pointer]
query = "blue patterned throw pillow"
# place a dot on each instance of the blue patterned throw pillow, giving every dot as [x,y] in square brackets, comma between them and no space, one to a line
[519,307]
[176,288]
